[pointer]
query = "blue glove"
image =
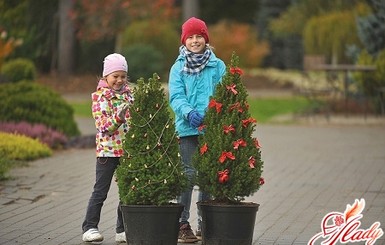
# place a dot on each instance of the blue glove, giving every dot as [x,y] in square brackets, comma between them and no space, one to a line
[195,119]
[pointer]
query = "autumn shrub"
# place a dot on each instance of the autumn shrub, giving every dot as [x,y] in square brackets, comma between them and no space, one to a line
[143,60]
[48,136]
[20,147]
[227,37]
[35,103]
[163,36]
[18,69]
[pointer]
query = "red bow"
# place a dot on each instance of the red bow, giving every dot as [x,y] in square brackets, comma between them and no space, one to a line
[203,149]
[223,176]
[247,121]
[236,106]
[236,70]
[201,127]
[251,162]
[232,88]
[256,143]
[217,105]
[261,181]
[238,143]
[226,154]
[228,129]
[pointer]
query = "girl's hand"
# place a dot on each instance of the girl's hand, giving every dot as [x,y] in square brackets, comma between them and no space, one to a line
[122,109]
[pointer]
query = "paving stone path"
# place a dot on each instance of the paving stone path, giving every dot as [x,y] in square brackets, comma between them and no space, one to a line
[309,172]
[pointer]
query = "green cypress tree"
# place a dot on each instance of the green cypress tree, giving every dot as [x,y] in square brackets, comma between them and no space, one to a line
[150,172]
[229,161]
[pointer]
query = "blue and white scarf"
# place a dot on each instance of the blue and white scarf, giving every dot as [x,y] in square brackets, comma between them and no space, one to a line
[195,63]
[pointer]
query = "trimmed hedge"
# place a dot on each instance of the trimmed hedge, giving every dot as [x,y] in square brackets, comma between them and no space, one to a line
[18,70]
[35,103]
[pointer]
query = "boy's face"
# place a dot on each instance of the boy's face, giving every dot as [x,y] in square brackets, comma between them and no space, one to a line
[196,44]
[116,80]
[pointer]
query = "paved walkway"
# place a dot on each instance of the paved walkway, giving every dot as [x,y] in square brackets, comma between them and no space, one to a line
[310,170]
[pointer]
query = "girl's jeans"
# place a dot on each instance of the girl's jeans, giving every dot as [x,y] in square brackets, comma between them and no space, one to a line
[188,146]
[105,168]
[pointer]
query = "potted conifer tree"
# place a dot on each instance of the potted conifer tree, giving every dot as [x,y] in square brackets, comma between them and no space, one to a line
[228,163]
[150,174]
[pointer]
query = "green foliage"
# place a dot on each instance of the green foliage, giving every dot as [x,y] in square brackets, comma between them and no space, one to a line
[150,172]
[18,69]
[95,49]
[5,165]
[34,103]
[371,81]
[20,147]
[229,161]
[303,11]
[161,35]
[143,60]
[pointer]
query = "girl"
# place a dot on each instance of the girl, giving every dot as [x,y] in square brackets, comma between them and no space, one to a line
[192,81]
[110,111]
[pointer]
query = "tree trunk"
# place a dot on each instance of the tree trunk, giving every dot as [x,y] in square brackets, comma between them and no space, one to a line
[190,9]
[66,39]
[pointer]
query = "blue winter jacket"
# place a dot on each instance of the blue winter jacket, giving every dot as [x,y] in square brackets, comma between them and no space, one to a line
[188,92]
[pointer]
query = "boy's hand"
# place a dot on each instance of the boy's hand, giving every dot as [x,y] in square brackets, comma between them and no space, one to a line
[195,119]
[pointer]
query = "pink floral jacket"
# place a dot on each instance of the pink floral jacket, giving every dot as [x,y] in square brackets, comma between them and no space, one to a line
[110,129]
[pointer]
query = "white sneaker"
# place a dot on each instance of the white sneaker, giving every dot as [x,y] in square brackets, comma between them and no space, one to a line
[120,237]
[92,235]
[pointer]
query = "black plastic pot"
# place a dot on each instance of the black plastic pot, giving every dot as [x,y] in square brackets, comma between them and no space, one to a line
[151,225]
[228,224]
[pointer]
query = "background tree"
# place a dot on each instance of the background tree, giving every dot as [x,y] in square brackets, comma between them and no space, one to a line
[94,24]
[66,39]
[190,8]
[314,25]
[330,34]
[33,22]
[242,11]
[226,37]
[284,52]
[371,28]
[102,32]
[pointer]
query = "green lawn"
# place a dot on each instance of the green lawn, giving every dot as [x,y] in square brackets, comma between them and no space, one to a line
[262,109]
[82,109]
[265,109]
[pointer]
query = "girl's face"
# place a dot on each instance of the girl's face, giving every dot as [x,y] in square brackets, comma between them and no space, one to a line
[116,80]
[196,44]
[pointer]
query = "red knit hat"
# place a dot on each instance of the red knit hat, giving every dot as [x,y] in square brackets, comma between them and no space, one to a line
[194,26]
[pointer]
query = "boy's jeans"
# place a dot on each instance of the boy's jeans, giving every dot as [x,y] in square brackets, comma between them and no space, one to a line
[188,146]
[105,168]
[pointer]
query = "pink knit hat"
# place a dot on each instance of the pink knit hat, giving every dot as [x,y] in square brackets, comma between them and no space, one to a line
[114,62]
[194,26]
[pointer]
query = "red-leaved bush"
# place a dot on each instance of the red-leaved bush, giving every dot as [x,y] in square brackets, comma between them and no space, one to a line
[228,37]
[48,136]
